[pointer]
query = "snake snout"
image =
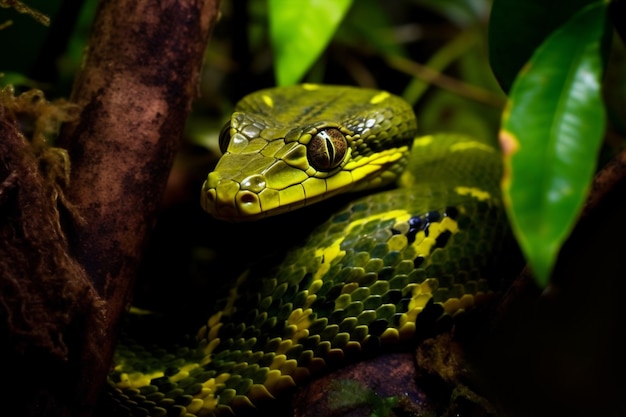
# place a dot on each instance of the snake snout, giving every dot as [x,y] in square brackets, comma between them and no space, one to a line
[224,199]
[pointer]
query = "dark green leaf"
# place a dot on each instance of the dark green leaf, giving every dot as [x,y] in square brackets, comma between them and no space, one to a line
[518,27]
[552,129]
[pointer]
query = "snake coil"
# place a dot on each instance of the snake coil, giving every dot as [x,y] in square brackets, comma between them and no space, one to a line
[373,274]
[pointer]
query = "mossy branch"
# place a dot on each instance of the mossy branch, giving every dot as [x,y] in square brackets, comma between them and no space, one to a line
[72,239]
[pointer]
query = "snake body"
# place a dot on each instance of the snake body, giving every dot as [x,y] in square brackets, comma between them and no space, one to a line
[376,272]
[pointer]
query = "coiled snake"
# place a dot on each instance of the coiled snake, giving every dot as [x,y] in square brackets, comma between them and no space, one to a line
[375,272]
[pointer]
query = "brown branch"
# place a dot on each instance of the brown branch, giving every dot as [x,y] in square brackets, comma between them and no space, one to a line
[140,76]
[570,330]
[49,314]
[611,174]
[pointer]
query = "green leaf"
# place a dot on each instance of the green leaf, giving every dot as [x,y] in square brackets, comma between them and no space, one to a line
[16,79]
[551,132]
[518,27]
[299,32]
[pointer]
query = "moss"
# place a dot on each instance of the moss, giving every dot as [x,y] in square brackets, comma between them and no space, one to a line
[44,293]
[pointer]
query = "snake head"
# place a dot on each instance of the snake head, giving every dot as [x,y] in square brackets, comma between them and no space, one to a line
[288,147]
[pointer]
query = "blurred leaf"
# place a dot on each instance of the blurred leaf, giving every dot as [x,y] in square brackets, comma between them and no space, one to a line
[70,61]
[462,12]
[16,79]
[442,58]
[474,68]
[551,132]
[450,113]
[368,24]
[518,27]
[299,32]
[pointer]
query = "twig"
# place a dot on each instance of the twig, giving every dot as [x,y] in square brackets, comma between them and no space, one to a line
[444,81]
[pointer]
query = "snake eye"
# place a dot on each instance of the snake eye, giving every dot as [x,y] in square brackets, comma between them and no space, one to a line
[224,138]
[327,149]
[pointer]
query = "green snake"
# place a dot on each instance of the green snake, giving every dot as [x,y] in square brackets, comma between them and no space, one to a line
[415,243]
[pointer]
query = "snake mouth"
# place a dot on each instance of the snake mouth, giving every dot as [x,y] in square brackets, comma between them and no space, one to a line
[252,198]
[226,201]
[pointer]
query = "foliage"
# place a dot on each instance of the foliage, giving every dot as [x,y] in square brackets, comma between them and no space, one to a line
[554,121]
[551,132]
[556,94]
[436,54]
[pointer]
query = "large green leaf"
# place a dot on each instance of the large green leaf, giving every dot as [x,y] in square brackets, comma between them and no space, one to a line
[299,32]
[551,132]
[518,27]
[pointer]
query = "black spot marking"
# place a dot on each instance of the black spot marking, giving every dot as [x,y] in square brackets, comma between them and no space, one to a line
[386,273]
[451,212]
[392,297]
[443,238]
[418,261]
[432,216]
[306,281]
[415,222]
[337,316]
[378,326]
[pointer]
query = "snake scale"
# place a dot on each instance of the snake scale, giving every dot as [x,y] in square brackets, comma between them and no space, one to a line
[417,243]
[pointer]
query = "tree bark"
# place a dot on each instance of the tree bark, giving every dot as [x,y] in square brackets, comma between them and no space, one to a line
[140,76]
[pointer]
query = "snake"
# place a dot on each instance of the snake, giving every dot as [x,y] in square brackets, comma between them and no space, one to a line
[414,242]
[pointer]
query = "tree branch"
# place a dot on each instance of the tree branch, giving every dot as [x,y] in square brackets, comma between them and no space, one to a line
[140,76]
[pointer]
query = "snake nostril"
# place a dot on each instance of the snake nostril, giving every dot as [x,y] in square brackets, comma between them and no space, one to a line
[207,198]
[247,198]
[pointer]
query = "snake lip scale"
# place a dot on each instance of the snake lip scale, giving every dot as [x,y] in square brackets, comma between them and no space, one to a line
[380,271]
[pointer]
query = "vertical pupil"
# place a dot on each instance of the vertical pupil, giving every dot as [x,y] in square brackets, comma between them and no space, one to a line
[330,148]
[327,149]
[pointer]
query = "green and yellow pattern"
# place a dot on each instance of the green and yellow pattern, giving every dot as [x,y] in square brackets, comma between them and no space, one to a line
[379,271]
